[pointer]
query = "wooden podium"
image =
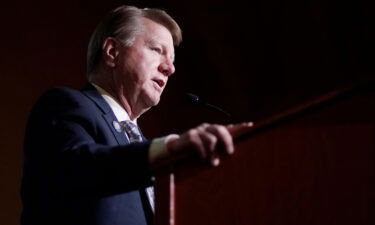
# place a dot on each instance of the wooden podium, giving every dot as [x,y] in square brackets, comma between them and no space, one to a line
[311,165]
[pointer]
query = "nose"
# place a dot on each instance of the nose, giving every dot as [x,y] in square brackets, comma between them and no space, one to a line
[167,67]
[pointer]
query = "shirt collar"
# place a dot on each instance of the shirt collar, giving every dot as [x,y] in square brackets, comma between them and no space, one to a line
[117,109]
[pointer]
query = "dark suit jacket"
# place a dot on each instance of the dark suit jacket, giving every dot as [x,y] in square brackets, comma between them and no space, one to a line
[78,169]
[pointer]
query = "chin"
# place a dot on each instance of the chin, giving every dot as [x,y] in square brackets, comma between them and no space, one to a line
[153,101]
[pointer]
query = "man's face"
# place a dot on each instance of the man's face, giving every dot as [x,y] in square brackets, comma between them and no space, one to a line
[143,69]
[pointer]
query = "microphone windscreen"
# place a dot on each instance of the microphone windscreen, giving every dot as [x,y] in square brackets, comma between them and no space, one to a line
[192,98]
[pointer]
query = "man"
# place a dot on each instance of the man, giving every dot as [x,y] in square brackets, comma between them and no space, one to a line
[82,163]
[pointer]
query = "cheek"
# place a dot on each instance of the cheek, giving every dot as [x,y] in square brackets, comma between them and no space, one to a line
[139,66]
[150,59]
[148,68]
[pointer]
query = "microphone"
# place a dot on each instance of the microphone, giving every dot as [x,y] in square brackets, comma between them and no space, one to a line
[195,100]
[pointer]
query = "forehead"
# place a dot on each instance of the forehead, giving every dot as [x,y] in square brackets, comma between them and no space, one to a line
[155,32]
[154,27]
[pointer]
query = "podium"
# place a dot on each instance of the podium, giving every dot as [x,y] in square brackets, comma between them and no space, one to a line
[313,164]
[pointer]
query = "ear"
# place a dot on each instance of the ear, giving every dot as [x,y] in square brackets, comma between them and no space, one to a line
[110,51]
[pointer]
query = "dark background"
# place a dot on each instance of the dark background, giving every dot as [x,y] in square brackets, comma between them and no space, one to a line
[254,59]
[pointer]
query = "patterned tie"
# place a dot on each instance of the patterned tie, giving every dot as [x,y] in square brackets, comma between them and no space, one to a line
[132,130]
[134,135]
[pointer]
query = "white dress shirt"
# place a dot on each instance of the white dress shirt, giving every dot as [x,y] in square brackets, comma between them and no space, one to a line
[158,147]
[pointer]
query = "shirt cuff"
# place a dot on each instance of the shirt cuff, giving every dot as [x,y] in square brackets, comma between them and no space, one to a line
[158,148]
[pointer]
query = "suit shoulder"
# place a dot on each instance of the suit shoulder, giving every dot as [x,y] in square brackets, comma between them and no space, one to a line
[63,96]
[62,99]
[61,93]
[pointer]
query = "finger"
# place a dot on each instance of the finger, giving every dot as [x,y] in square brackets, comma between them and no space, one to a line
[209,141]
[203,125]
[207,144]
[192,140]
[223,136]
[214,160]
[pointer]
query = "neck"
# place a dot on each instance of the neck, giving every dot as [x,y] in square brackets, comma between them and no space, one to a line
[118,92]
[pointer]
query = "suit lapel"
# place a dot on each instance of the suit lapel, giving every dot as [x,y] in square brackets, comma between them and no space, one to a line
[110,118]
[108,115]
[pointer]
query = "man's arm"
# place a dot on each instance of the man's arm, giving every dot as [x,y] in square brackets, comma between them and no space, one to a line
[69,146]
[206,141]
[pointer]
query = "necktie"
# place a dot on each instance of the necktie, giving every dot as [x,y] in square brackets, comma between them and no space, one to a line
[134,135]
[132,130]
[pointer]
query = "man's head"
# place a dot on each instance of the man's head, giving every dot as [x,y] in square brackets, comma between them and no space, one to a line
[131,55]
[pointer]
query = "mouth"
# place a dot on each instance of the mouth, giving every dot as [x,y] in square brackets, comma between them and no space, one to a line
[160,83]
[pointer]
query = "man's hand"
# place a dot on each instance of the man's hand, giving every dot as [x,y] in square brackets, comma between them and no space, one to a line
[208,140]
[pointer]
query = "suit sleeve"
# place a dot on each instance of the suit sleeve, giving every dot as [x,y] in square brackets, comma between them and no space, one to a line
[68,148]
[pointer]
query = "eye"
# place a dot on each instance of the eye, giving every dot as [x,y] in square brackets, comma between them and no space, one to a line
[156,49]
